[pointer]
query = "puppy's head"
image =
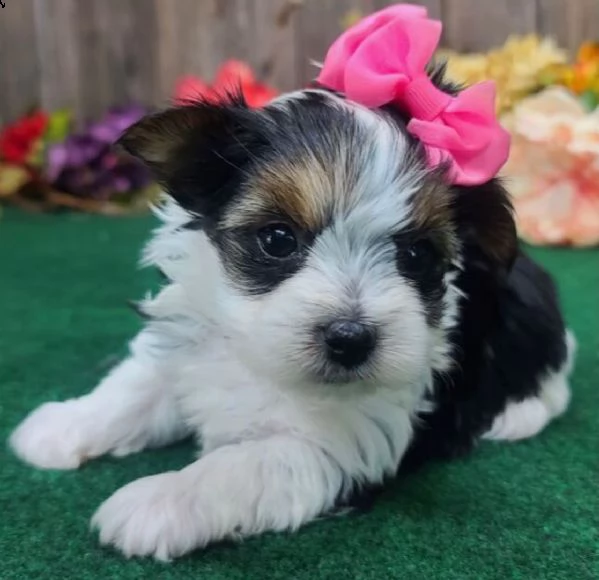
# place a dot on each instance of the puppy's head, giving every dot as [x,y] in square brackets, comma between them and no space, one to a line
[328,246]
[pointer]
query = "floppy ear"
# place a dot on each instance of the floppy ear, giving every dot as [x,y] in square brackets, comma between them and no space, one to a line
[485,218]
[196,152]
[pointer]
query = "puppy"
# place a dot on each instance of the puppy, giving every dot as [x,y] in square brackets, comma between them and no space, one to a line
[334,309]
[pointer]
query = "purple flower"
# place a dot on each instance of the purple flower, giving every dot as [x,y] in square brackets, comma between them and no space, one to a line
[86,165]
[109,129]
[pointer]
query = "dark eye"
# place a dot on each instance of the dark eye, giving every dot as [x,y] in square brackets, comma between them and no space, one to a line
[421,257]
[277,240]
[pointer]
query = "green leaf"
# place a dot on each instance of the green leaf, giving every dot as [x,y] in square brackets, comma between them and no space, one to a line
[589,100]
[59,125]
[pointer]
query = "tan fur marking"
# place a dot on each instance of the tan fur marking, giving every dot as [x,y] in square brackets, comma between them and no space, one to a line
[433,212]
[300,189]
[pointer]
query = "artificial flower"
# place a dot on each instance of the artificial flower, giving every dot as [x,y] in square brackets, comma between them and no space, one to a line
[518,67]
[19,141]
[85,164]
[59,126]
[580,77]
[553,169]
[233,75]
[12,178]
[588,51]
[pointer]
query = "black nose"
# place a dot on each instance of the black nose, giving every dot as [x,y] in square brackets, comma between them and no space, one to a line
[349,343]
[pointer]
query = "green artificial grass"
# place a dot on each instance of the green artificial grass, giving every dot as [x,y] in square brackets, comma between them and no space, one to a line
[509,511]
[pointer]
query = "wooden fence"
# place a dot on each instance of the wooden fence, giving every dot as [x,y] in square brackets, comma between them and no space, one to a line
[88,54]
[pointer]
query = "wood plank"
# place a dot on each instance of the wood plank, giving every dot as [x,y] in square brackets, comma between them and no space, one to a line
[95,79]
[88,55]
[179,45]
[195,37]
[58,49]
[319,23]
[19,66]
[116,40]
[433,6]
[236,35]
[275,28]
[475,25]
[570,23]
[131,27]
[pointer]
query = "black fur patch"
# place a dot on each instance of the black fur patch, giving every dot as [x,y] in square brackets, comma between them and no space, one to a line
[200,152]
[255,271]
[484,219]
[511,332]
[425,272]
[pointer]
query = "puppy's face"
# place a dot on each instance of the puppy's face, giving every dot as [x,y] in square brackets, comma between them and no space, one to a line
[336,247]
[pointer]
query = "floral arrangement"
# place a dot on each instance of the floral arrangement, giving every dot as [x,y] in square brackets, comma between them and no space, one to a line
[552,114]
[549,105]
[46,163]
[581,77]
[20,152]
[518,67]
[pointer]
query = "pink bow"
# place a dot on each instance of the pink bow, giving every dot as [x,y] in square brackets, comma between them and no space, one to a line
[382,60]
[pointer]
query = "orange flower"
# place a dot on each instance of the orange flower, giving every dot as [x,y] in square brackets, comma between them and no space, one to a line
[588,52]
[582,76]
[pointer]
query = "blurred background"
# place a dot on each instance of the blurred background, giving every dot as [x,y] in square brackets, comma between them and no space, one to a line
[75,73]
[90,54]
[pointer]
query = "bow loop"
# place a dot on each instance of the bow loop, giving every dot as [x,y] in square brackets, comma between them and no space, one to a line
[383,59]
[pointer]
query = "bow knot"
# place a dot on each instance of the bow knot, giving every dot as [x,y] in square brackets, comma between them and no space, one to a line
[423,99]
[382,61]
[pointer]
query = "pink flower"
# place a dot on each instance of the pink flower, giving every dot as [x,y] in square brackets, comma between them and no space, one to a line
[553,170]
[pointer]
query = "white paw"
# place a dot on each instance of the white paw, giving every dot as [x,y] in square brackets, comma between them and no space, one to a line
[519,421]
[153,516]
[51,436]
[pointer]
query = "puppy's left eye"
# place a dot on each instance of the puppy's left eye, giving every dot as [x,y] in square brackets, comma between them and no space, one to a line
[420,257]
[277,240]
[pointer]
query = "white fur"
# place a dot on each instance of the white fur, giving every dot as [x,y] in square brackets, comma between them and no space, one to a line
[237,490]
[128,411]
[524,419]
[271,459]
[277,448]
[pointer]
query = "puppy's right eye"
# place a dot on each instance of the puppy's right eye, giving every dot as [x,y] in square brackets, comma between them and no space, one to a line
[277,240]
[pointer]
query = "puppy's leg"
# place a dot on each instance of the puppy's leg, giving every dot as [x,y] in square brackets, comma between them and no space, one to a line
[130,409]
[524,419]
[235,491]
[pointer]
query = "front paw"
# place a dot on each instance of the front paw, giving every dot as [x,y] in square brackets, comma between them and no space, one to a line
[51,437]
[153,516]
